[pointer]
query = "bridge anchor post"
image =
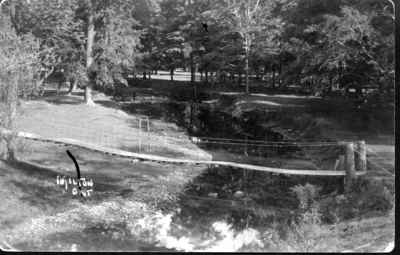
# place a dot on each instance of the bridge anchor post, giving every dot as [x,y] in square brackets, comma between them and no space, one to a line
[361,156]
[349,167]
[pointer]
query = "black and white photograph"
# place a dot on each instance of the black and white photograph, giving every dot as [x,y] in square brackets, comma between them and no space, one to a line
[197,126]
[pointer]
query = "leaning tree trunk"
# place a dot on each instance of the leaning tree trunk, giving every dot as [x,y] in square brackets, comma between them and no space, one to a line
[247,65]
[40,81]
[11,113]
[72,86]
[89,55]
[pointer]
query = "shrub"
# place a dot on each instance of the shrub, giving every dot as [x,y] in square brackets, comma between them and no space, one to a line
[305,231]
[306,195]
[371,196]
[367,197]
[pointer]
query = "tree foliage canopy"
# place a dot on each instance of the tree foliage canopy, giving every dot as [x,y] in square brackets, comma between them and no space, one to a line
[297,42]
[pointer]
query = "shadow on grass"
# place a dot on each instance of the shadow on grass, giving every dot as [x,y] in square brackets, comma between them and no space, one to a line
[108,103]
[62,97]
[32,170]
[51,96]
[41,196]
[103,186]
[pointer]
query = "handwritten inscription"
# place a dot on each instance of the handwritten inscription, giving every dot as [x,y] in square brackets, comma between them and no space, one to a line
[76,185]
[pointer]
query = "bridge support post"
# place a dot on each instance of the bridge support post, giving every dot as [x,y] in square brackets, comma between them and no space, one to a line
[350,167]
[361,156]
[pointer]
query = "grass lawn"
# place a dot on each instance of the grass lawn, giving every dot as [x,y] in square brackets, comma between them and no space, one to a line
[104,124]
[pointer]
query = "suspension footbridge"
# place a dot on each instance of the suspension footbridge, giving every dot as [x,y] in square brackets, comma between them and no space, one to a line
[171,160]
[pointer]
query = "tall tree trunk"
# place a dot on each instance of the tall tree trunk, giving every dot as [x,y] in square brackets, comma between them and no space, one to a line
[206,73]
[273,76]
[247,65]
[195,91]
[280,73]
[11,113]
[266,73]
[89,54]
[192,68]
[150,75]
[172,74]
[247,75]
[59,85]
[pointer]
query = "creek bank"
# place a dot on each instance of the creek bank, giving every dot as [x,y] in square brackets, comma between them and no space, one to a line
[267,197]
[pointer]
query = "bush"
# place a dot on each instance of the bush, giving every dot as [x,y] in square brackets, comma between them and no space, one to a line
[371,195]
[305,233]
[306,195]
[367,197]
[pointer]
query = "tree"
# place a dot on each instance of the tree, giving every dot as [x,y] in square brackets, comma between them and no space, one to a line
[340,42]
[90,36]
[53,24]
[147,15]
[247,19]
[98,36]
[19,58]
[110,40]
[172,41]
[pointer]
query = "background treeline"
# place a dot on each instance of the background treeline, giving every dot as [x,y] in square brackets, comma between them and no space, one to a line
[322,45]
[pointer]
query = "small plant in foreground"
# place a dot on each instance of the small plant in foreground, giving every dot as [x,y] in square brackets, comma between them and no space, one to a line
[304,233]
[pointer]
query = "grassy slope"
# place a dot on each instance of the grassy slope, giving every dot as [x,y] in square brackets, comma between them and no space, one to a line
[33,195]
[38,215]
[104,124]
[30,192]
